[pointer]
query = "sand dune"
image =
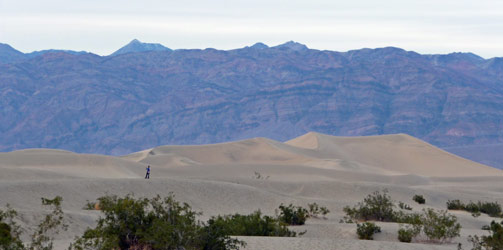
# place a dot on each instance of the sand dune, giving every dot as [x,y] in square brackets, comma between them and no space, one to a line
[224,178]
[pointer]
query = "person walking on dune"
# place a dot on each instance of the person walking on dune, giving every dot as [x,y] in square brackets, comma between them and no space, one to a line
[147,175]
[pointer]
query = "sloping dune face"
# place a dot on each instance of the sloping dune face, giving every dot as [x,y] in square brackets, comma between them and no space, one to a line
[253,151]
[56,164]
[398,153]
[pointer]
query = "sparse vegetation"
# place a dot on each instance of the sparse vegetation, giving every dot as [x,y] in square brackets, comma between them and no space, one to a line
[408,232]
[157,223]
[492,209]
[254,224]
[493,241]
[437,226]
[315,210]
[419,199]
[293,215]
[366,230]
[455,205]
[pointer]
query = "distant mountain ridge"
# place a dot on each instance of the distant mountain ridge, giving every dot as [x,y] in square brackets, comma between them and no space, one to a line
[11,55]
[146,96]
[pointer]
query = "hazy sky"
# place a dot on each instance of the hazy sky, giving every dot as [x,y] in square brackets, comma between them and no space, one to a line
[102,26]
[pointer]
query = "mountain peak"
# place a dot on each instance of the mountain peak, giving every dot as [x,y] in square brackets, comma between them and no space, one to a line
[9,54]
[136,46]
[291,45]
[259,45]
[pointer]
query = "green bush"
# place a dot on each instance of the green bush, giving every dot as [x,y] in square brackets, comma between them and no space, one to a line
[492,209]
[315,210]
[419,199]
[367,230]
[439,226]
[292,215]
[254,224]
[157,223]
[472,207]
[376,206]
[408,218]
[493,241]
[455,205]
[408,232]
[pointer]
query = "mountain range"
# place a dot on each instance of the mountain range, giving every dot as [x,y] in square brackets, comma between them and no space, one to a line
[145,95]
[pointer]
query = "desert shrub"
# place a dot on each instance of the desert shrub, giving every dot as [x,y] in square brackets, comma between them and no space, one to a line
[404,206]
[408,218]
[419,199]
[157,223]
[493,241]
[455,205]
[292,215]
[10,232]
[315,210]
[472,207]
[408,232]
[492,209]
[254,224]
[440,226]
[376,206]
[367,230]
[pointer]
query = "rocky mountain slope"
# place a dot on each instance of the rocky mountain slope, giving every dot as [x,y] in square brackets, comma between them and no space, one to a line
[123,103]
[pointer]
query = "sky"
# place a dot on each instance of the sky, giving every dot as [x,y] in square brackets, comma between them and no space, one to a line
[103,26]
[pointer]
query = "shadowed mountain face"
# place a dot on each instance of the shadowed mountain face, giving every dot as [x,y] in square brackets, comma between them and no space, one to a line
[128,102]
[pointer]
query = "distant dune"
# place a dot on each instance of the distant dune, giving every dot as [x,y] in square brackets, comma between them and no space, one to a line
[260,173]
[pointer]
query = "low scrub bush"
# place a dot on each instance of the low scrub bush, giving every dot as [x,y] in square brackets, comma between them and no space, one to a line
[408,218]
[493,241]
[293,215]
[366,230]
[254,224]
[157,223]
[419,199]
[455,205]
[376,206]
[408,232]
[492,209]
[439,226]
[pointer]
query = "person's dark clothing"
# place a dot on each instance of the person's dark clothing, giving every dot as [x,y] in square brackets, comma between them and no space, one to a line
[147,175]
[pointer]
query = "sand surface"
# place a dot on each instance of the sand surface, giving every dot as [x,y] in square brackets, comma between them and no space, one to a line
[223,178]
